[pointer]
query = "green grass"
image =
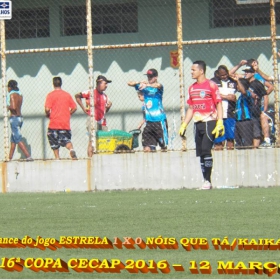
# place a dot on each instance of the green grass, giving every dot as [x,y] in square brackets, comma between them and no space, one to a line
[241,213]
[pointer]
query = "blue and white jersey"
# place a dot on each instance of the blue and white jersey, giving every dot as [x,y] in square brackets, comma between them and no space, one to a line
[244,107]
[258,77]
[154,111]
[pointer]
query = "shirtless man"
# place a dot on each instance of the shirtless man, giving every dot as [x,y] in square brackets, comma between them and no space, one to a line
[14,102]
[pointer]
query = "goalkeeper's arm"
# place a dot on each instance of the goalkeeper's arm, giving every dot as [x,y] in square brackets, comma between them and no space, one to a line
[185,123]
[220,110]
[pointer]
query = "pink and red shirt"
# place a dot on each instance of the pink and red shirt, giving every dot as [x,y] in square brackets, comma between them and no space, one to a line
[203,97]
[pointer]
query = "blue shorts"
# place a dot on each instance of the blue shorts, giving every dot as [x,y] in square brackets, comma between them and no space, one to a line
[16,124]
[229,125]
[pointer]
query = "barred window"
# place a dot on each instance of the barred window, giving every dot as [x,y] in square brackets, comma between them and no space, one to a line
[28,23]
[228,13]
[107,18]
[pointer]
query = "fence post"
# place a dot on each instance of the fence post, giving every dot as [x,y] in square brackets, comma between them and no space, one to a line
[181,66]
[275,69]
[90,71]
[4,90]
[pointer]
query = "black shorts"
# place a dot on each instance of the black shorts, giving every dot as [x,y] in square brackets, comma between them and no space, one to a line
[204,138]
[59,137]
[257,129]
[155,133]
[244,133]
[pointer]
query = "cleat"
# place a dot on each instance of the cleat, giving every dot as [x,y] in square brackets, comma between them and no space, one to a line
[206,186]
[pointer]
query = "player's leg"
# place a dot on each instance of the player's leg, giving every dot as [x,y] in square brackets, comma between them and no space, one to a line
[265,131]
[198,144]
[12,150]
[53,141]
[16,124]
[65,141]
[207,143]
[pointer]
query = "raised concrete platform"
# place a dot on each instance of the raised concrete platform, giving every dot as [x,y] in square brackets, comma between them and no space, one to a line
[170,170]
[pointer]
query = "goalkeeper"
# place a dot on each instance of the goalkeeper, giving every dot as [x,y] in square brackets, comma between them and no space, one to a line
[205,108]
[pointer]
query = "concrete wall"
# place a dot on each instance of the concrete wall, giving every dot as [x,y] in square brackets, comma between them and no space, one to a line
[171,170]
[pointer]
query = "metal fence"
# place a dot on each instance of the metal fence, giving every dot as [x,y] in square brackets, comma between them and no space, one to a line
[78,40]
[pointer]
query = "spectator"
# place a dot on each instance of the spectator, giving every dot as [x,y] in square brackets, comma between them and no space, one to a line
[59,107]
[227,87]
[243,127]
[14,102]
[258,92]
[251,75]
[205,108]
[252,72]
[155,131]
[264,117]
[102,105]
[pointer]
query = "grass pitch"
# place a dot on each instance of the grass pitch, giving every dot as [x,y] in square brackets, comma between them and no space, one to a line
[235,213]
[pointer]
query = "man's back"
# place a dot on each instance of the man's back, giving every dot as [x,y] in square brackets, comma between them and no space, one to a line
[60,102]
[16,102]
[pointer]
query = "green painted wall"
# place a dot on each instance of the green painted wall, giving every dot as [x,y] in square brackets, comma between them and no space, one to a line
[157,23]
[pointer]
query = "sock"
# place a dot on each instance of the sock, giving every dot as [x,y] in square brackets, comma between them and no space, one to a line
[267,139]
[202,166]
[208,163]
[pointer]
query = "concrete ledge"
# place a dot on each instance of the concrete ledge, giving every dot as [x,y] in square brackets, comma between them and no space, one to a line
[170,170]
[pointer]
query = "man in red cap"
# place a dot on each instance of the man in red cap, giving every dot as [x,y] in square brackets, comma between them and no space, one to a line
[155,131]
[102,105]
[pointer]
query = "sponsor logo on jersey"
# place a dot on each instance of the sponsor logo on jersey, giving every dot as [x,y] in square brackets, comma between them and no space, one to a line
[149,104]
[202,94]
[199,106]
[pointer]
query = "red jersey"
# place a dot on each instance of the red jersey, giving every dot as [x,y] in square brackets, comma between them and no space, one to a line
[100,101]
[60,102]
[203,97]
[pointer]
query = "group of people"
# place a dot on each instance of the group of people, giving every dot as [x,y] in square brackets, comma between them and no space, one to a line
[246,119]
[59,106]
[218,115]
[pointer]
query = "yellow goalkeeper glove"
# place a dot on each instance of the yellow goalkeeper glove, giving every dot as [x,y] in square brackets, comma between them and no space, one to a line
[182,130]
[219,129]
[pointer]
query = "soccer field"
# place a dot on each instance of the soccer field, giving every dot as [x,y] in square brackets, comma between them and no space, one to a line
[234,213]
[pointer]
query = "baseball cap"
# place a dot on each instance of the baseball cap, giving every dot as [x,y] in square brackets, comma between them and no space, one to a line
[152,72]
[103,78]
[249,69]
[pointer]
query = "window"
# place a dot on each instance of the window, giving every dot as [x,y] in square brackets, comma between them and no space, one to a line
[227,13]
[107,18]
[28,23]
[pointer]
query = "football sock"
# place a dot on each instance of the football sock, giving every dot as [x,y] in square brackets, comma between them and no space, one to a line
[208,163]
[202,166]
